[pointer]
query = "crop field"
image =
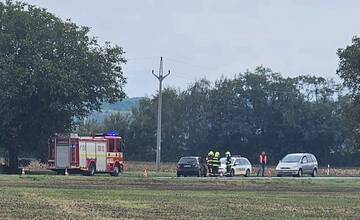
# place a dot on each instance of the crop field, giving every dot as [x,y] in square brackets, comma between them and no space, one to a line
[132,196]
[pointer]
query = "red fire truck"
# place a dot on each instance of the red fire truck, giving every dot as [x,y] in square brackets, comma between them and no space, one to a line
[89,155]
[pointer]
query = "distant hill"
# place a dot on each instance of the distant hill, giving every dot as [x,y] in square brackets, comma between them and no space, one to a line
[123,106]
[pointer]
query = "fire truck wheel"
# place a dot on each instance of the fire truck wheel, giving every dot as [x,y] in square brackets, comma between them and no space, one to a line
[92,169]
[116,171]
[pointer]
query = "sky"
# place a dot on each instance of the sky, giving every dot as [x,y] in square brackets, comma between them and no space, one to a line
[214,38]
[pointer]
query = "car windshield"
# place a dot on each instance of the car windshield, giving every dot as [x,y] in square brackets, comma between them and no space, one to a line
[291,159]
[187,160]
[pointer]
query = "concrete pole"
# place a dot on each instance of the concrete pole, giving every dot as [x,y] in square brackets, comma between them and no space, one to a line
[160,77]
[158,135]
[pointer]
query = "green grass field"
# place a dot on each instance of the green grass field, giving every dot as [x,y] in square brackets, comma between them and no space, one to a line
[134,197]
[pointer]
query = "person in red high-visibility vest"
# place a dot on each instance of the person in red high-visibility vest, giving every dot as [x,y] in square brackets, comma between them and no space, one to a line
[263,159]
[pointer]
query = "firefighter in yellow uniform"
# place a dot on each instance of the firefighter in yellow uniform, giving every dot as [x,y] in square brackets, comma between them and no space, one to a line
[209,160]
[216,164]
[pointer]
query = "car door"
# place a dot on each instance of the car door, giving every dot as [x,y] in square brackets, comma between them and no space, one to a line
[313,162]
[305,164]
[242,167]
[237,166]
[310,163]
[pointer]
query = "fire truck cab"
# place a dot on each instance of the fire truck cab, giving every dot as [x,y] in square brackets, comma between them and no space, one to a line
[101,153]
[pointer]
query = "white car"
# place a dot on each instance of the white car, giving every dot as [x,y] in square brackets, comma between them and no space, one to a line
[239,166]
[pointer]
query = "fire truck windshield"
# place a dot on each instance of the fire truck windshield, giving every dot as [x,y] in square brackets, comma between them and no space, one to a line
[119,146]
[111,145]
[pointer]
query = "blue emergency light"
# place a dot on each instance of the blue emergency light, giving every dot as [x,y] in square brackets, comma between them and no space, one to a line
[111,133]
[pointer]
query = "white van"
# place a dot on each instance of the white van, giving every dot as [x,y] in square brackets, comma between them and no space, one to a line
[297,164]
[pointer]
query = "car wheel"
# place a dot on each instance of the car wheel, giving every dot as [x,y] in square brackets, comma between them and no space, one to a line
[279,175]
[232,172]
[300,173]
[178,175]
[247,174]
[314,173]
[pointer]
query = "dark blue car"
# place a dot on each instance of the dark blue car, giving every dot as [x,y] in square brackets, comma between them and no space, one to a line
[191,166]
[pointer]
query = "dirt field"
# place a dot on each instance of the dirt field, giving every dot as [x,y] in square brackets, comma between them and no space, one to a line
[134,197]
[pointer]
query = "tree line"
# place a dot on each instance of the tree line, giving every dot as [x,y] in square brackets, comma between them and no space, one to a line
[254,111]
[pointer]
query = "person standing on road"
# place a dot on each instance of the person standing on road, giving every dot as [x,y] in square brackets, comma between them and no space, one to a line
[216,163]
[209,161]
[263,159]
[228,163]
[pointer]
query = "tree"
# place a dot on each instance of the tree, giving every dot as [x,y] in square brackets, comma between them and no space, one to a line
[51,72]
[118,122]
[349,66]
[195,110]
[349,71]
[141,140]
[89,127]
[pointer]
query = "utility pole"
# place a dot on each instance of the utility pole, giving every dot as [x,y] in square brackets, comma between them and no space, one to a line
[160,77]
